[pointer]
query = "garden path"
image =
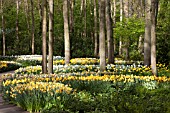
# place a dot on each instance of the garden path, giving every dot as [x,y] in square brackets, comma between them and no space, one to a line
[7,72]
[9,108]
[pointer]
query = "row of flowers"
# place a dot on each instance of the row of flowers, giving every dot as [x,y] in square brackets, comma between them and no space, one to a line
[21,79]
[94,61]
[51,87]
[59,60]
[95,69]
[28,57]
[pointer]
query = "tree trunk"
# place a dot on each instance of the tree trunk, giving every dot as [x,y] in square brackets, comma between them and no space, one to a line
[3,28]
[51,37]
[156,11]
[140,45]
[40,15]
[85,19]
[126,42]
[66,32]
[27,16]
[121,19]
[147,39]
[39,9]
[82,6]
[153,37]
[71,17]
[95,30]
[17,21]
[102,48]
[109,31]
[114,21]
[33,28]
[44,35]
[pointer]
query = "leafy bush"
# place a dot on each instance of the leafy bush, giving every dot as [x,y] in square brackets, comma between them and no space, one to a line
[136,55]
[29,62]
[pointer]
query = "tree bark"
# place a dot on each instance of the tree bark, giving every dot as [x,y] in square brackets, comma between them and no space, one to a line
[71,16]
[44,35]
[147,39]
[3,29]
[27,15]
[126,42]
[121,19]
[17,21]
[33,28]
[140,45]
[114,21]
[153,37]
[109,32]
[95,30]
[40,15]
[51,37]
[82,6]
[85,19]
[102,47]
[39,9]
[66,32]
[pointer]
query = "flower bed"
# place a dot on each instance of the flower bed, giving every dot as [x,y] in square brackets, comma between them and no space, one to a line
[95,69]
[83,88]
[108,93]
[28,60]
[94,61]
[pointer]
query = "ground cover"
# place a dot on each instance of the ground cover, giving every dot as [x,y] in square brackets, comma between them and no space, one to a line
[14,62]
[139,70]
[81,87]
[8,65]
[108,93]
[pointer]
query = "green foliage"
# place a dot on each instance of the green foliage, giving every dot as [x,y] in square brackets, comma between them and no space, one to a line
[163,31]
[29,62]
[91,86]
[136,55]
[8,58]
[136,99]
[130,28]
[9,66]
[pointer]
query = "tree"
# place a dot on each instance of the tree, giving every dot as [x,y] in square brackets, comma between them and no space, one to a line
[121,19]
[95,30]
[102,47]
[85,18]
[66,32]
[114,21]
[109,31]
[26,8]
[33,28]
[3,28]
[147,38]
[126,38]
[153,37]
[39,9]
[51,37]
[17,20]
[44,35]
[71,17]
